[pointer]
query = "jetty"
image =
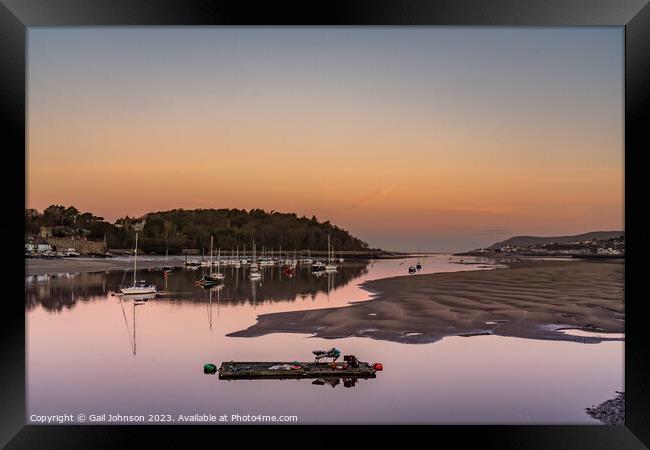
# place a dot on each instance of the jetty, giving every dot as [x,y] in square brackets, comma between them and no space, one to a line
[282,370]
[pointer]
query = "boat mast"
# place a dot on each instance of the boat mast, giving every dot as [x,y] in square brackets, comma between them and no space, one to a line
[211,258]
[135,258]
[329,255]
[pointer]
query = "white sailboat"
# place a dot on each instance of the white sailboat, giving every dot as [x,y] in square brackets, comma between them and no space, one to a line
[212,278]
[139,287]
[215,276]
[218,276]
[308,259]
[237,262]
[330,267]
[254,272]
[244,259]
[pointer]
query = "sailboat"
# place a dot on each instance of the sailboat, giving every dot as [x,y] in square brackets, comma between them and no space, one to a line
[142,286]
[203,262]
[244,258]
[212,278]
[329,267]
[290,263]
[318,266]
[308,259]
[255,273]
[217,276]
[237,262]
[192,263]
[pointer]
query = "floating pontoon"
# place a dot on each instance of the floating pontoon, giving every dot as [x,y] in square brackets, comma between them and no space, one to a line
[281,370]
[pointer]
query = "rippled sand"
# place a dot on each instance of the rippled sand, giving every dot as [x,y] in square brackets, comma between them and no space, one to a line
[532,299]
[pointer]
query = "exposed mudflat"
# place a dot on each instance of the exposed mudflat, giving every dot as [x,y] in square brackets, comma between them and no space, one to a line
[530,299]
[39,266]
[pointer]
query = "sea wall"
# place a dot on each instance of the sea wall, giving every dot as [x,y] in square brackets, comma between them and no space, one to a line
[80,245]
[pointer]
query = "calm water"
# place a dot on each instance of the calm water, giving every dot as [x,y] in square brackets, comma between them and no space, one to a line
[91,352]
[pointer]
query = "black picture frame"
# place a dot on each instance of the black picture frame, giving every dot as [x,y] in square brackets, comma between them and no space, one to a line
[17,15]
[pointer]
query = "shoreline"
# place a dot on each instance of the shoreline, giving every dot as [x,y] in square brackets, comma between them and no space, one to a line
[530,299]
[80,264]
[85,264]
[610,412]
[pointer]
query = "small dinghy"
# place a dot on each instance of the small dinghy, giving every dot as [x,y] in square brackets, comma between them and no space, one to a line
[333,353]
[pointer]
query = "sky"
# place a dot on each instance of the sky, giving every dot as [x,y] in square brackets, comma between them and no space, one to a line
[438,138]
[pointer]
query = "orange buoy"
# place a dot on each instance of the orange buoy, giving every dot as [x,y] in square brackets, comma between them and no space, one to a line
[378,366]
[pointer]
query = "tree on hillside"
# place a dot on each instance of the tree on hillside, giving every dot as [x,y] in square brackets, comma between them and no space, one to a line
[179,229]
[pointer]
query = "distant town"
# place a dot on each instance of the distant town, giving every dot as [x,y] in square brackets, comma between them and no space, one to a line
[610,247]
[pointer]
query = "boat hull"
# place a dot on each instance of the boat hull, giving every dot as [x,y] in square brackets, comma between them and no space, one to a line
[138,291]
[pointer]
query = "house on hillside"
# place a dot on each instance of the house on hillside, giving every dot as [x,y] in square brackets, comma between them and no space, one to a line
[45,232]
[40,248]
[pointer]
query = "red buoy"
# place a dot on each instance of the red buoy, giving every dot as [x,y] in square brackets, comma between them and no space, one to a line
[378,366]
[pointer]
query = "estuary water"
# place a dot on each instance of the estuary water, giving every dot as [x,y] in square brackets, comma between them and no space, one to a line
[104,359]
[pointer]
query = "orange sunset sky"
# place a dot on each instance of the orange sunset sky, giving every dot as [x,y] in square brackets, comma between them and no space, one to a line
[442,138]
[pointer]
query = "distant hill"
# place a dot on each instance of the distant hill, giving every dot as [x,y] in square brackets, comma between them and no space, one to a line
[525,241]
[233,228]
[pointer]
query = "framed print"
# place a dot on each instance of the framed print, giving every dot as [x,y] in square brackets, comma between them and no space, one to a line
[409,217]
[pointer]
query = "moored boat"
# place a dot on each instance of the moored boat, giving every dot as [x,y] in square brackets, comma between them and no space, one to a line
[142,286]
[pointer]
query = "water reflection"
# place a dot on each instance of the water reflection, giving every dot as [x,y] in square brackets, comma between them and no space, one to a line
[348,382]
[75,341]
[216,290]
[136,300]
[62,291]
